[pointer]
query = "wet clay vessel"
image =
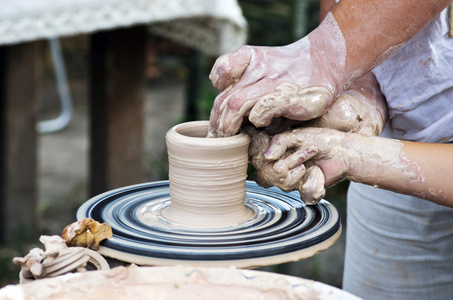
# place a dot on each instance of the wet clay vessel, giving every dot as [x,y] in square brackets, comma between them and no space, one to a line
[207,177]
[207,214]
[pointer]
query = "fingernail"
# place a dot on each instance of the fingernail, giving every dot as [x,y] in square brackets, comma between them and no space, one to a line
[279,167]
[297,171]
[312,149]
[268,153]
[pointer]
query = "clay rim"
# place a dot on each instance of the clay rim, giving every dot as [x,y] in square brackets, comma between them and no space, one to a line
[193,134]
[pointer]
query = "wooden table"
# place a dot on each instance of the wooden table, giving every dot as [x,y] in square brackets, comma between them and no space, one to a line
[118,31]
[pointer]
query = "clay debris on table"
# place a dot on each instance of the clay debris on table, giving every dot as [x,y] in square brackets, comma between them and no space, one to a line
[57,259]
[86,233]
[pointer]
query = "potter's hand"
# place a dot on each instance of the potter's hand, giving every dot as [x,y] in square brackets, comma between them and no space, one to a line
[359,109]
[411,168]
[297,81]
[269,173]
[300,81]
[307,160]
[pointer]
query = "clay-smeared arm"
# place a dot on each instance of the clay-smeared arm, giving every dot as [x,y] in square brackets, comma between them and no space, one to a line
[361,108]
[374,30]
[412,168]
[300,81]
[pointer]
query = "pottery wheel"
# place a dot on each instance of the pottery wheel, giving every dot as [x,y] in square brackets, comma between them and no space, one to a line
[283,229]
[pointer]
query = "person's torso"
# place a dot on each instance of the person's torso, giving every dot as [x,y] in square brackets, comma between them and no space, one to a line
[417,82]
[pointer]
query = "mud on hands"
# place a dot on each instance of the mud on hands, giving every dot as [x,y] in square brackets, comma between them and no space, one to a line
[299,81]
[352,39]
[306,159]
[295,158]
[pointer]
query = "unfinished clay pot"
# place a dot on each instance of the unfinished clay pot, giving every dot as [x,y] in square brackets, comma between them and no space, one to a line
[207,177]
[207,214]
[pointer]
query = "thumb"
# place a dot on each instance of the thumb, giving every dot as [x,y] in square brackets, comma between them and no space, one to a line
[229,68]
[279,144]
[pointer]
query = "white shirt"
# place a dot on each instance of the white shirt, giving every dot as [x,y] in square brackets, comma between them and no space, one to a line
[417,82]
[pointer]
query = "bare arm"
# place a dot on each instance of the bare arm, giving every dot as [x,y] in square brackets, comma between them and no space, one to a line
[435,162]
[412,168]
[325,7]
[301,81]
[361,108]
[373,30]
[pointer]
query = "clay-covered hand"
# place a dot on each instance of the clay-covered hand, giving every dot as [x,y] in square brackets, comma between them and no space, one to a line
[298,81]
[399,166]
[359,109]
[353,38]
[306,159]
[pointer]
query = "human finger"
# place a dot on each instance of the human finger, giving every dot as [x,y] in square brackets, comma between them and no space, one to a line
[291,101]
[312,188]
[280,143]
[292,181]
[279,175]
[229,67]
[258,145]
[232,105]
[300,156]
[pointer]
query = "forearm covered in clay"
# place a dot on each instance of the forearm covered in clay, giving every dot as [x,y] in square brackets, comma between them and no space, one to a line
[361,108]
[412,168]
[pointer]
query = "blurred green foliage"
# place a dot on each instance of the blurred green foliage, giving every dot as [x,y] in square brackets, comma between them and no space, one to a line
[274,23]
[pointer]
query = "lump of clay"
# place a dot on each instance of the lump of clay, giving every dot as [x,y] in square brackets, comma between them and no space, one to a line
[57,260]
[86,233]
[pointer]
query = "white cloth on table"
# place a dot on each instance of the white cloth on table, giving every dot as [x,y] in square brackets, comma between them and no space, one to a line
[213,26]
[398,246]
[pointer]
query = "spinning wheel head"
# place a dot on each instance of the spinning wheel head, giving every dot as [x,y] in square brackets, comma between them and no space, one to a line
[281,229]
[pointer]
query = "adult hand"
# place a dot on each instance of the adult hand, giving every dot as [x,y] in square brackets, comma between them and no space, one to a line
[299,81]
[411,168]
[307,160]
[360,109]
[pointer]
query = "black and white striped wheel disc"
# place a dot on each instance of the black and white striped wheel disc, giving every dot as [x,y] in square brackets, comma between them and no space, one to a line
[283,229]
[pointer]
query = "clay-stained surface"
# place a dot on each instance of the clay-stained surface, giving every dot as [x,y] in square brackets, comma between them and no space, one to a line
[56,260]
[175,283]
[282,230]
